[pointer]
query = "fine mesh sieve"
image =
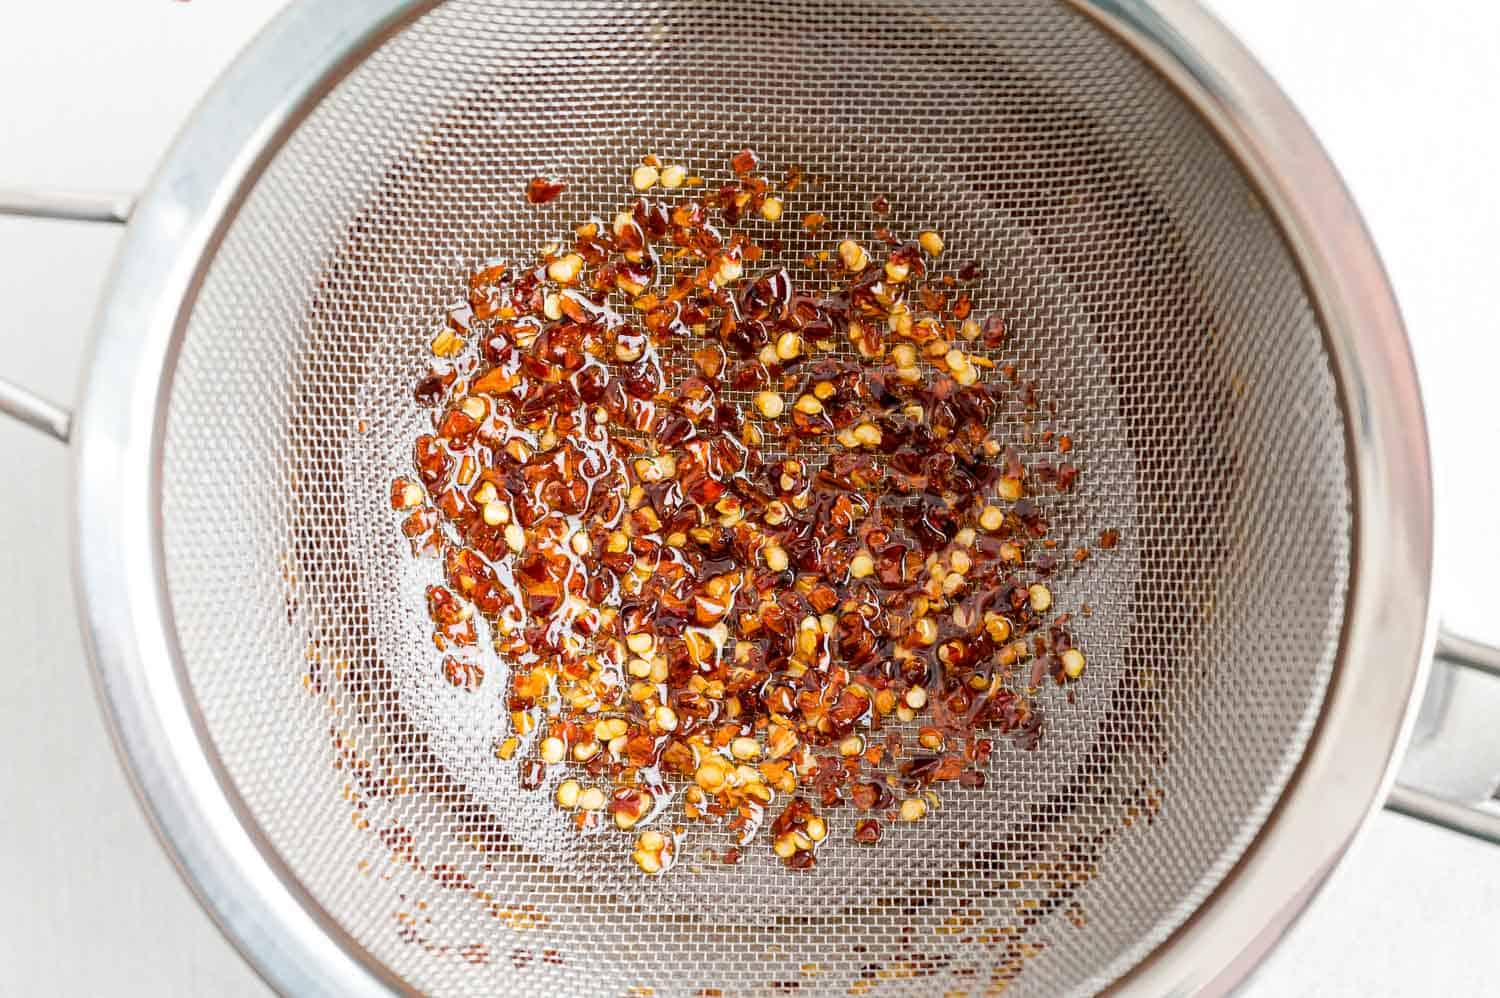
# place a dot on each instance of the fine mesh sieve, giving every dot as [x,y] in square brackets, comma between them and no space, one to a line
[1146,289]
[1210,322]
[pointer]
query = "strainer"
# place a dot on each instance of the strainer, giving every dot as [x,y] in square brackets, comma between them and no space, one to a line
[1182,270]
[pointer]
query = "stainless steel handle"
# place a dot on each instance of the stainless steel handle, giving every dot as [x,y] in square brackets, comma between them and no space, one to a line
[1451,773]
[35,411]
[72,205]
[15,401]
[1469,654]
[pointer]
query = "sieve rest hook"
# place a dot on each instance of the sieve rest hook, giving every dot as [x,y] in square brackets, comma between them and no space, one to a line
[1451,773]
[15,401]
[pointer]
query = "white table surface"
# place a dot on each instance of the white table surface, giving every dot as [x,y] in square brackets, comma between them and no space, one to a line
[1405,98]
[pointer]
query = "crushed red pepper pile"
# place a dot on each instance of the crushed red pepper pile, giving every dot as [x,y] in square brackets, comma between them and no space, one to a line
[742,544]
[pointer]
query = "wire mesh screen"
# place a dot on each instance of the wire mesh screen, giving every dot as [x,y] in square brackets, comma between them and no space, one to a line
[1146,291]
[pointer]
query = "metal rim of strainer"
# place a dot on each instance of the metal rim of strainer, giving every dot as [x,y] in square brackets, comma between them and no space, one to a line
[119,563]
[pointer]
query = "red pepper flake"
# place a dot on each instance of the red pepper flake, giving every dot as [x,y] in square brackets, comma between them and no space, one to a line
[541,190]
[993,331]
[533,771]
[777,621]
[464,674]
